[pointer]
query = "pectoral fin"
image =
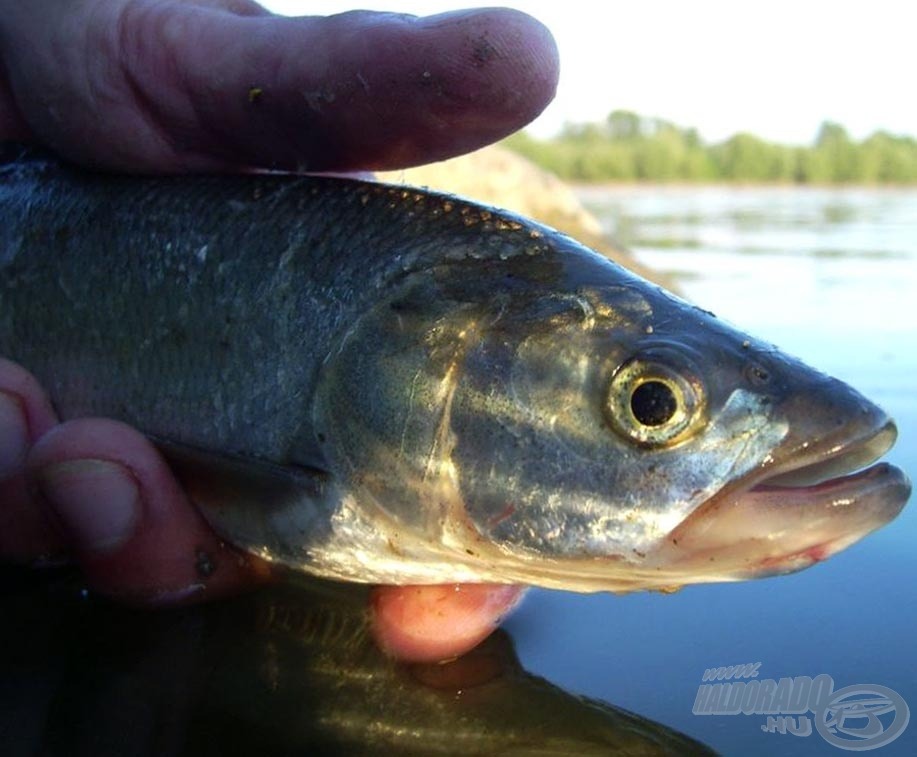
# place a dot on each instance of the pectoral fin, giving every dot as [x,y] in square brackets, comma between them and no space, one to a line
[275,511]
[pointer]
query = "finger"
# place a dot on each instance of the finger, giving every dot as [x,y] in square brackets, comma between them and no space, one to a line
[13,126]
[132,529]
[26,536]
[432,623]
[173,86]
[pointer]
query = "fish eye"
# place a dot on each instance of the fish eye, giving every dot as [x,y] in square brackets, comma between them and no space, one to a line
[655,403]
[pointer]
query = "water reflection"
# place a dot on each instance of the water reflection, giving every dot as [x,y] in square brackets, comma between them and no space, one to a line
[287,670]
[782,220]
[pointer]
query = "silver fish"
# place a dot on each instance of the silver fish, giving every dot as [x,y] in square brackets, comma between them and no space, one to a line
[381,384]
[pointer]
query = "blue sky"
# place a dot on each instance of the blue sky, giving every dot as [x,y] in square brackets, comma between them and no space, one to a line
[778,68]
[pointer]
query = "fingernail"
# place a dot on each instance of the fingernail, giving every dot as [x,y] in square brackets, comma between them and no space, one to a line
[97,501]
[14,434]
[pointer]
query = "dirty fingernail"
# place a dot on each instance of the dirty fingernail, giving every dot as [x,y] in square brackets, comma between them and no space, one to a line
[97,501]
[14,434]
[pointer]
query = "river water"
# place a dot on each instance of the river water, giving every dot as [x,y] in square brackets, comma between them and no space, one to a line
[831,276]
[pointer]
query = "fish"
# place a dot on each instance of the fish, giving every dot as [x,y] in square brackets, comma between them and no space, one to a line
[378,383]
[291,669]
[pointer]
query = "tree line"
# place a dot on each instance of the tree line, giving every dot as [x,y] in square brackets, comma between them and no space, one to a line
[630,147]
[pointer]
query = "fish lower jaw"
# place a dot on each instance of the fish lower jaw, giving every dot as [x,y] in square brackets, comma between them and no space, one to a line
[761,531]
[429,565]
[377,556]
[810,502]
[771,530]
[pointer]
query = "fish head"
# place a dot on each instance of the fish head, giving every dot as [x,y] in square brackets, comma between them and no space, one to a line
[599,435]
[621,434]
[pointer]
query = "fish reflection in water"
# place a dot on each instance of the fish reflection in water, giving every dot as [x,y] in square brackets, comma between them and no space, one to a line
[289,670]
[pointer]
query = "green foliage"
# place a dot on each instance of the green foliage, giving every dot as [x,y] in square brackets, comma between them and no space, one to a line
[630,147]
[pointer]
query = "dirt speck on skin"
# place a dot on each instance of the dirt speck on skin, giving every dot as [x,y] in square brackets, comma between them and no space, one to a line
[319,98]
[430,82]
[204,564]
[482,51]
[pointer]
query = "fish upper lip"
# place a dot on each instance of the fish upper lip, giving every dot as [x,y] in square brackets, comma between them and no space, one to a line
[819,464]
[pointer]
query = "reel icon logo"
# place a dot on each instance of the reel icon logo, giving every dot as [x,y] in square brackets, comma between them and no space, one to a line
[862,717]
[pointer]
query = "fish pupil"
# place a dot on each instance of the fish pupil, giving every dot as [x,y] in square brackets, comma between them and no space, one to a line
[653,403]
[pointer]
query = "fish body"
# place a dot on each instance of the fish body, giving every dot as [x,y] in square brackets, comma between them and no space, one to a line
[382,384]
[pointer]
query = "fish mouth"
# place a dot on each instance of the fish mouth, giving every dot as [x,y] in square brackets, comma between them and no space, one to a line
[788,516]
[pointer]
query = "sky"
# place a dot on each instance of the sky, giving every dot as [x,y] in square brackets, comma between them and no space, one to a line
[777,69]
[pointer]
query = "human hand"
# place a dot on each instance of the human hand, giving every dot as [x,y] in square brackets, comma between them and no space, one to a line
[167,86]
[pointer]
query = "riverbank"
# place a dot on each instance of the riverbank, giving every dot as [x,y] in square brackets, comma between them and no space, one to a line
[627,146]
